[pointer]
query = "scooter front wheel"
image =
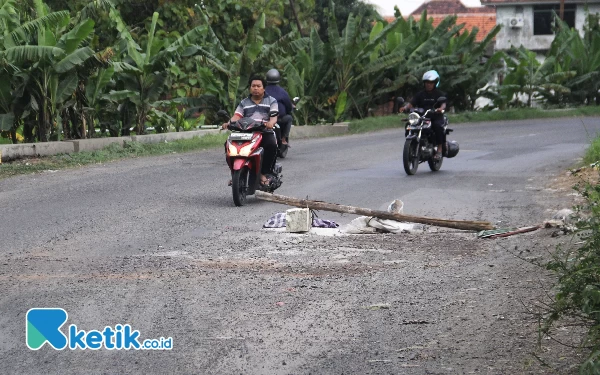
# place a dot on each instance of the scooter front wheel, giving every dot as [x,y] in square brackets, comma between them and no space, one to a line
[410,157]
[239,186]
[435,165]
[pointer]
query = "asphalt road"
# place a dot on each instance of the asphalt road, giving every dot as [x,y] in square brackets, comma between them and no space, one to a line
[157,243]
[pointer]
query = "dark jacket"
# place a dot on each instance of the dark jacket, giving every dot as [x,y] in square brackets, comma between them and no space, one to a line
[283,99]
[426,100]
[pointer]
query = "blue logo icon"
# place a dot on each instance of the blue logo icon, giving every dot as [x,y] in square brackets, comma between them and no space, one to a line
[43,325]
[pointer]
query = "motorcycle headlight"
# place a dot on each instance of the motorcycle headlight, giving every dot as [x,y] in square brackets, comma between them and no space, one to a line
[413,119]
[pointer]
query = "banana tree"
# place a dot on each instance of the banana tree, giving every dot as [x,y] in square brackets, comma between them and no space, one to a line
[535,79]
[48,51]
[308,73]
[9,21]
[144,78]
[474,70]
[52,65]
[572,52]
[224,74]
[393,56]
[418,46]
[99,109]
[402,50]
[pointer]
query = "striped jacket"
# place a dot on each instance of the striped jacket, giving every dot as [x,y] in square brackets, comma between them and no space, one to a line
[260,111]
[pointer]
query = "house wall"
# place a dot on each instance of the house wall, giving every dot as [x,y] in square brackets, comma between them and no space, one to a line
[524,36]
[581,13]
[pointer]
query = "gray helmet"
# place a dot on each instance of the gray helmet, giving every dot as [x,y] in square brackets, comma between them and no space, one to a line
[273,76]
[432,76]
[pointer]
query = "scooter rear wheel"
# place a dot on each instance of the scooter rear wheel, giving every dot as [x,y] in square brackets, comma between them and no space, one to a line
[239,186]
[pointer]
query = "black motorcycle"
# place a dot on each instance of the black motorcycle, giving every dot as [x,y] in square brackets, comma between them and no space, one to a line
[420,144]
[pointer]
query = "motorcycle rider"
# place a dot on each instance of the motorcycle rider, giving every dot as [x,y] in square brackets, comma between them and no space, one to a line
[426,99]
[257,106]
[284,102]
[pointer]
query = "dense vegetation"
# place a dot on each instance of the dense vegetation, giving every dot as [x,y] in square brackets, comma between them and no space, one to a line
[74,66]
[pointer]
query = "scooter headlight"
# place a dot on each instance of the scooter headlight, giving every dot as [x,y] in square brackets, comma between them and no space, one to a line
[413,118]
[232,149]
[246,150]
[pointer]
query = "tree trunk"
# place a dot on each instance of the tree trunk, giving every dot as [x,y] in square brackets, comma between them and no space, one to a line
[13,134]
[125,116]
[66,124]
[296,17]
[319,205]
[84,133]
[43,126]
[29,124]
[141,122]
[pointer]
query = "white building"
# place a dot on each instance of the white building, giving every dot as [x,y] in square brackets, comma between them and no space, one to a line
[529,23]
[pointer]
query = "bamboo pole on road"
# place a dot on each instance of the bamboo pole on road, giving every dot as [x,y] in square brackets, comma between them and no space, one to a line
[320,205]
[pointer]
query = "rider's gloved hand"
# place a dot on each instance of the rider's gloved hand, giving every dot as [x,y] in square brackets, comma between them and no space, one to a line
[224,125]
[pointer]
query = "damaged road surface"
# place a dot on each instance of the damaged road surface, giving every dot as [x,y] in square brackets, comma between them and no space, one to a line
[156,243]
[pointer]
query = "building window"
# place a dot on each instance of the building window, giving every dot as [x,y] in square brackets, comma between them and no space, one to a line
[543,17]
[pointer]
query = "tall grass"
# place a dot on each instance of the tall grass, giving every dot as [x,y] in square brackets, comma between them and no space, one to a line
[592,154]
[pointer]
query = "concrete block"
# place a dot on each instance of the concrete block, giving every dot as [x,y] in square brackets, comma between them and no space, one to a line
[97,143]
[297,220]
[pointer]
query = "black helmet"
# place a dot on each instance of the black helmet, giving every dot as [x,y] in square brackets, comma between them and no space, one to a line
[273,76]
[451,149]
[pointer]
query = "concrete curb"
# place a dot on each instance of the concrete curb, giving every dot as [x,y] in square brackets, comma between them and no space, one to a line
[310,131]
[98,143]
[11,152]
[169,137]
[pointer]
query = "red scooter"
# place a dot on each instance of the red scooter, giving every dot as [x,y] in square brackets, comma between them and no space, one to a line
[244,156]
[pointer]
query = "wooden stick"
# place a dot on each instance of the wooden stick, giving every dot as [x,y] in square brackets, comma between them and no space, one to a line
[519,230]
[319,205]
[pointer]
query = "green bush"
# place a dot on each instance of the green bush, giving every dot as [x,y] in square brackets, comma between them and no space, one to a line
[592,154]
[578,269]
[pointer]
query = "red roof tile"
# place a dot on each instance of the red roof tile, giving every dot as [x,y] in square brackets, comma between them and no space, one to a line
[484,22]
[483,18]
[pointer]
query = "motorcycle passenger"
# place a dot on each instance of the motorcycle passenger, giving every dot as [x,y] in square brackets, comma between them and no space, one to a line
[284,102]
[257,106]
[426,99]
